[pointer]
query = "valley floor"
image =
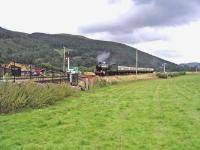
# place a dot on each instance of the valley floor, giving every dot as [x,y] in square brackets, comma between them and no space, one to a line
[153,114]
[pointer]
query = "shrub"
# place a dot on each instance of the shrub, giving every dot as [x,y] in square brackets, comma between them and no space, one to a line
[182,73]
[170,74]
[15,96]
[162,75]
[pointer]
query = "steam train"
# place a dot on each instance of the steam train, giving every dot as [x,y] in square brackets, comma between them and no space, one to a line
[103,69]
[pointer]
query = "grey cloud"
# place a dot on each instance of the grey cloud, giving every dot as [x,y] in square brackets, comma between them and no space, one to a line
[149,13]
[137,36]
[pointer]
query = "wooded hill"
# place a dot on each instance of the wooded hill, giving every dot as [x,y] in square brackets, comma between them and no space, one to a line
[47,50]
[194,66]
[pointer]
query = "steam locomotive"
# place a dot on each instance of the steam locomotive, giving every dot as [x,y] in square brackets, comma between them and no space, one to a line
[103,69]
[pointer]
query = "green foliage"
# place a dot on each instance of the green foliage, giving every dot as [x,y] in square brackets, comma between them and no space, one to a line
[182,73]
[169,74]
[162,75]
[15,96]
[87,69]
[7,77]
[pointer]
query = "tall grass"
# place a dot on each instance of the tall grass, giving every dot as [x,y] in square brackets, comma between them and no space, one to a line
[15,96]
[100,82]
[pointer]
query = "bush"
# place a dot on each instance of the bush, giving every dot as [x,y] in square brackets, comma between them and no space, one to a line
[182,73]
[15,96]
[169,74]
[162,75]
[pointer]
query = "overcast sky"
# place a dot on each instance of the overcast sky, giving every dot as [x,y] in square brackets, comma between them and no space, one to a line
[169,29]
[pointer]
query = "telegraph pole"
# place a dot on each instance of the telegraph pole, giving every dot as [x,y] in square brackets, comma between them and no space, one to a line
[30,71]
[136,61]
[14,72]
[64,59]
[68,61]
[164,64]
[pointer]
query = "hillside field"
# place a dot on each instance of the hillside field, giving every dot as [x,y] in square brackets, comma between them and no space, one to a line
[154,114]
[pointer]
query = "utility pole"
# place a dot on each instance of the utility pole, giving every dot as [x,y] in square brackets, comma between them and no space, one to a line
[64,60]
[68,61]
[136,61]
[14,72]
[30,71]
[164,64]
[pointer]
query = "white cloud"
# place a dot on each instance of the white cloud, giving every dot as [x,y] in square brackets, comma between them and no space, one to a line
[56,16]
[183,43]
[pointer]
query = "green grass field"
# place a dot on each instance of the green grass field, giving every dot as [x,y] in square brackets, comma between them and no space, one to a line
[155,114]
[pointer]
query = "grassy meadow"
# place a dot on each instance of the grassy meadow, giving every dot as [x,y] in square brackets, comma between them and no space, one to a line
[154,114]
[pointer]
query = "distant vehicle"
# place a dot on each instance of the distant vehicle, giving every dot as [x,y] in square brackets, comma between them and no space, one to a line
[103,69]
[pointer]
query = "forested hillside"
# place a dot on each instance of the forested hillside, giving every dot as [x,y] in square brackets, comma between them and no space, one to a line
[194,66]
[47,50]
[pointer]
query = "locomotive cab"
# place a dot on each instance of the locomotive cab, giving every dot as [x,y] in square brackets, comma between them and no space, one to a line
[101,69]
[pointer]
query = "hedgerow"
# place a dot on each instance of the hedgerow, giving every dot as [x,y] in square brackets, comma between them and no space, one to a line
[169,74]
